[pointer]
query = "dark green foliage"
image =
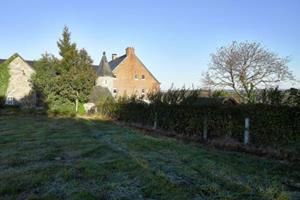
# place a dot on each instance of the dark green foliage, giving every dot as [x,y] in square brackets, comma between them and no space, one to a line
[99,95]
[272,125]
[62,82]
[272,96]
[293,97]
[104,101]
[67,50]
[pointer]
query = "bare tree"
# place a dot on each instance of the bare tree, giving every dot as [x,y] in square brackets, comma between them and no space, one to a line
[244,67]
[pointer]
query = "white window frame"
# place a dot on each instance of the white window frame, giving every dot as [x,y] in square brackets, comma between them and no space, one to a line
[10,101]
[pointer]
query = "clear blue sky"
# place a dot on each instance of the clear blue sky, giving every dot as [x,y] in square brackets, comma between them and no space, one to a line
[172,38]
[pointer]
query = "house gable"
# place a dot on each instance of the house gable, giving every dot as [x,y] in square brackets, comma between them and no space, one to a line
[133,78]
[19,90]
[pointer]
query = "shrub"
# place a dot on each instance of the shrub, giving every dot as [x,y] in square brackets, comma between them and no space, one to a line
[272,125]
[62,107]
[99,95]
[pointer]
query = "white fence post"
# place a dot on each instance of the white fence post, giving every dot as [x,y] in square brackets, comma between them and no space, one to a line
[155,121]
[205,128]
[246,131]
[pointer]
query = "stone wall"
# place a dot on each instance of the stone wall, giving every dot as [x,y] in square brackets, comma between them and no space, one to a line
[19,91]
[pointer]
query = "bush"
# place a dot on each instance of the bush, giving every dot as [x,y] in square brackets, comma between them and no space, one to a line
[99,95]
[81,110]
[61,108]
[271,125]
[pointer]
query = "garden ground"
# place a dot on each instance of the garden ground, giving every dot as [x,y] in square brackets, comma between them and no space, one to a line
[45,157]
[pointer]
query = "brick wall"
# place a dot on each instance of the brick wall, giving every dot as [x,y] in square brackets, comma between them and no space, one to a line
[133,77]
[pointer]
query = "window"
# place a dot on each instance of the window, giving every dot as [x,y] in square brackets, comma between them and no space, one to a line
[143,91]
[10,100]
[143,77]
[136,77]
[115,91]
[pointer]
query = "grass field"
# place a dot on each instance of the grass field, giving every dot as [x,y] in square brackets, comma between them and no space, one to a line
[73,158]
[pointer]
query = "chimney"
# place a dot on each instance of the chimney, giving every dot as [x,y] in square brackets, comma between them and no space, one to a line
[129,51]
[114,56]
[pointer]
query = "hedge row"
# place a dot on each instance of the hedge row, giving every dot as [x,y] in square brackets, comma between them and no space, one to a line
[269,125]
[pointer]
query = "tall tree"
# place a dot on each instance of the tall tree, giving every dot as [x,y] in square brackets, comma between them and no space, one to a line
[68,80]
[245,67]
[83,76]
[67,50]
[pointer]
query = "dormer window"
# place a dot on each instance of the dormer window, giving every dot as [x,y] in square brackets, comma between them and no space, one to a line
[136,77]
[143,77]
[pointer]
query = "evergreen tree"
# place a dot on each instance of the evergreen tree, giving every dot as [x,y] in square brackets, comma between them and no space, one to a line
[65,81]
[83,75]
[67,50]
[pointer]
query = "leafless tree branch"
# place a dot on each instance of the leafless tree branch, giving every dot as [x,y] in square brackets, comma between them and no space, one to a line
[245,66]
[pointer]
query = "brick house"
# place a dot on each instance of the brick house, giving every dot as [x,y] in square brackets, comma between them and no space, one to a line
[126,75]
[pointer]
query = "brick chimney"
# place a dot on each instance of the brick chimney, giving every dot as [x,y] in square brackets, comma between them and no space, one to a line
[114,56]
[129,51]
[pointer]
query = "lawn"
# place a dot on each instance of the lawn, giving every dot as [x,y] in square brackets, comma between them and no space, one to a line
[73,158]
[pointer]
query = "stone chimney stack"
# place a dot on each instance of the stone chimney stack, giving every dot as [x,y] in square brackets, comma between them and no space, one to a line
[114,56]
[129,51]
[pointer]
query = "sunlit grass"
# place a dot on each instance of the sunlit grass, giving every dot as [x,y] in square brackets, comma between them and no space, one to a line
[85,158]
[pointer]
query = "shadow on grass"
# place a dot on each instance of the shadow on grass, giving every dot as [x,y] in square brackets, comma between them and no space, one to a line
[46,157]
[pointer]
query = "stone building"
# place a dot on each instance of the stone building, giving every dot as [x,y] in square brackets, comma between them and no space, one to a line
[19,90]
[126,75]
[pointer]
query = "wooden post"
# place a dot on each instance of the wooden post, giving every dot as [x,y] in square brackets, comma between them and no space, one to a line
[246,131]
[205,128]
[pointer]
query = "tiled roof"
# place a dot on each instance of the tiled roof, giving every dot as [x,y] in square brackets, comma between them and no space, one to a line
[30,62]
[114,63]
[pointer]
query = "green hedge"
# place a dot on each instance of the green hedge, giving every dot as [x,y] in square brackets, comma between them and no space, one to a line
[269,125]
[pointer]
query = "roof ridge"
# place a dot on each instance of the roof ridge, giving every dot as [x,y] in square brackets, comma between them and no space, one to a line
[114,63]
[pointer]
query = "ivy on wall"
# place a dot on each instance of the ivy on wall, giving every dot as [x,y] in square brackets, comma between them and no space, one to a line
[4,77]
